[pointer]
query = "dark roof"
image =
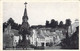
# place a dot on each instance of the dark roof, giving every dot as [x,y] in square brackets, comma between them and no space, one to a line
[15,32]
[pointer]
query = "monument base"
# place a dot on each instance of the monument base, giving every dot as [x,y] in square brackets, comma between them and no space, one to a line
[24,44]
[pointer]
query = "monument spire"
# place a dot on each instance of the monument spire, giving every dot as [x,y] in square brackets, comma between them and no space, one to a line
[25,12]
[24,30]
[25,4]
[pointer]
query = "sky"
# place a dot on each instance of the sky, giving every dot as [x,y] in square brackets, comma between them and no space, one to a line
[39,12]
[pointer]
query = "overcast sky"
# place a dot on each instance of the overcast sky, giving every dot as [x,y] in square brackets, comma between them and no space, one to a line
[39,12]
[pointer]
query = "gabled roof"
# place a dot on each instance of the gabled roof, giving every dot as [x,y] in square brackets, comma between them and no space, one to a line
[15,32]
[40,36]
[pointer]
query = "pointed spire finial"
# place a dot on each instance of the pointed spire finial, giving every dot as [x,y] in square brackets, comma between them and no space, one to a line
[25,12]
[25,4]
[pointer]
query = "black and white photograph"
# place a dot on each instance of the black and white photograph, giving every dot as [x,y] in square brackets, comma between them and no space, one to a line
[40,25]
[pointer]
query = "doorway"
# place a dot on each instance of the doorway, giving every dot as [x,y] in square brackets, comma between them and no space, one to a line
[42,44]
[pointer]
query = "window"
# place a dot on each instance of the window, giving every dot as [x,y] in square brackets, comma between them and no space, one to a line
[42,44]
[47,44]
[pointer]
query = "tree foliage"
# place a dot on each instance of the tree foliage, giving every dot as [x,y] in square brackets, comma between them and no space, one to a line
[54,24]
[71,42]
[68,22]
[61,24]
[4,26]
[47,24]
[12,23]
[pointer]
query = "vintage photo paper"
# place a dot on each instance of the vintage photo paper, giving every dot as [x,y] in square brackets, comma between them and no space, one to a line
[40,25]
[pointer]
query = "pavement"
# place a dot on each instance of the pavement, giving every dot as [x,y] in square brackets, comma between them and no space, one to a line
[52,47]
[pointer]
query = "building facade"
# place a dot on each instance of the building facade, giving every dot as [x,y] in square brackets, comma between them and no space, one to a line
[44,37]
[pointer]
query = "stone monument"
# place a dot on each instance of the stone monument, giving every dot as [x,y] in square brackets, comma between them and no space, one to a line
[24,31]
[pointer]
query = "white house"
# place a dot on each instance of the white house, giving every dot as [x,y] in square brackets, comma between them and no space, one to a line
[43,36]
[72,28]
[15,40]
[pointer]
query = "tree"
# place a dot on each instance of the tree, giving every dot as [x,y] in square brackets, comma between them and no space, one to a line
[10,21]
[71,42]
[52,24]
[47,23]
[19,26]
[61,24]
[4,26]
[13,24]
[68,22]
[56,23]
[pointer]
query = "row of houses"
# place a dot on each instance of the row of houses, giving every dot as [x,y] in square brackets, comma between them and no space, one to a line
[43,37]
[40,37]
